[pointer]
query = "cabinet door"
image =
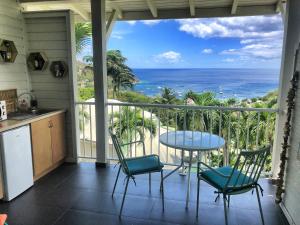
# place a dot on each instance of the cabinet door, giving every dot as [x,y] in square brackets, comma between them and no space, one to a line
[41,145]
[58,137]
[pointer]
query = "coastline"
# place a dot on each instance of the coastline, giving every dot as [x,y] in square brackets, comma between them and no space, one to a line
[225,83]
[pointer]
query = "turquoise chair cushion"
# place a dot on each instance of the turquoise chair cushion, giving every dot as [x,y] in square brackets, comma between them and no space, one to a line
[220,182]
[145,164]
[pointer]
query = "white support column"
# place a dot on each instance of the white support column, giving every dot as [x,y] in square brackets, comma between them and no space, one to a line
[290,44]
[100,79]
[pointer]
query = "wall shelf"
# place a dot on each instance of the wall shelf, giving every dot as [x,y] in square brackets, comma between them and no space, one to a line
[37,61]
[59,69]
[8,51]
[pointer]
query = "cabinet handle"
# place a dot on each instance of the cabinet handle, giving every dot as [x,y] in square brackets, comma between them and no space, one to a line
[50,124]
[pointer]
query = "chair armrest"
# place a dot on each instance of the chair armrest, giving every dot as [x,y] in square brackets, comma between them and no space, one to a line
[211,169]
[158,159]
[135,142]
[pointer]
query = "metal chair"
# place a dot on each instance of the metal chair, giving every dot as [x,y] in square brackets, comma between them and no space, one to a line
[242,178]
[146,164]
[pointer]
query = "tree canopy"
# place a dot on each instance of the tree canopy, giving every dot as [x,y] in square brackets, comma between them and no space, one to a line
[83,32]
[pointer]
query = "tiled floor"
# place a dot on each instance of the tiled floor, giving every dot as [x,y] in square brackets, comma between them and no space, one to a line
[81,195]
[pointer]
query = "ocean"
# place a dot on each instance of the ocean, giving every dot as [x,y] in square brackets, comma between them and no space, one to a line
[226,83]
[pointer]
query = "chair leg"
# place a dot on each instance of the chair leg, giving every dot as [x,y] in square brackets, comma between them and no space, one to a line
[112,195]
[149,182]
[260,208]
[198,193]
[225,209]
[127,181]
[162,189]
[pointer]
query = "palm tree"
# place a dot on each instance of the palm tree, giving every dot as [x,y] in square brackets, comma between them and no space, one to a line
[83,32]
[121,75]
[129,124]
[167,96]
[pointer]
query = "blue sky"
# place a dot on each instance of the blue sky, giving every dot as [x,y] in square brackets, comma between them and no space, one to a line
[239,42]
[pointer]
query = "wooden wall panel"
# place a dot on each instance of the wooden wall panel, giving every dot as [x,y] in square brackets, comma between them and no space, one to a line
[13,75]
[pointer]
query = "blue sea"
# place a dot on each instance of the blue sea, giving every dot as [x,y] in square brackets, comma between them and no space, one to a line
[226,83]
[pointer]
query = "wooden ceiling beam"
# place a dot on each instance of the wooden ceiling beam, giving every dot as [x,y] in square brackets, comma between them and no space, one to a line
[80,11]
[110,23]
[152,8]
[54,1]
[192,7]
[279,7]
[234,6]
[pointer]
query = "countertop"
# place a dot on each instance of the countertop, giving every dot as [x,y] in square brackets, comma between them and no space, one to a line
[11,124]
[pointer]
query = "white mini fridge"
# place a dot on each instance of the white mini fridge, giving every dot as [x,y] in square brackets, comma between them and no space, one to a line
[15,146]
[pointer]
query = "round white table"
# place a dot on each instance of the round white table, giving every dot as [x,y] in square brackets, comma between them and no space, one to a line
[190,141]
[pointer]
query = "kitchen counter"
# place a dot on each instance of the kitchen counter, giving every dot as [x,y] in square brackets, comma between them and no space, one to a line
[11,124]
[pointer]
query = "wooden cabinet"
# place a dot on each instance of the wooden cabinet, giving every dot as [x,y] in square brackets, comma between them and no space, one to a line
[58,143]
[41,145]
[48,143]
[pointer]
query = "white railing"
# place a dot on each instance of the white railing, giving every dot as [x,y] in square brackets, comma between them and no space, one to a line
[242,128]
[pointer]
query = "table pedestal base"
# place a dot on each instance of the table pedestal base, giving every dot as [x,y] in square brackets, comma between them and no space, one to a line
[184,174]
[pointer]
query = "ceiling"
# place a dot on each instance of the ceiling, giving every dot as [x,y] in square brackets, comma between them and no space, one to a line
[161,9]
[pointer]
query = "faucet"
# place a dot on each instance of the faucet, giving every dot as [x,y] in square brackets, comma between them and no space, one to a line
[33,102]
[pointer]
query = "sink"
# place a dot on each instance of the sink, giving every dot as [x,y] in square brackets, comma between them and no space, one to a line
[19,116]
[28,115]
[42,111]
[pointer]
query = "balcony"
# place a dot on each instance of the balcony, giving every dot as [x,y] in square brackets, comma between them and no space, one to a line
[241,128]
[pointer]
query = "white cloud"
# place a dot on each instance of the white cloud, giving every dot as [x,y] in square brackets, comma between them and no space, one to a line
[228,60]
[116,36]
[257,49]
[260,36]
[234,27]
[146,22]
[119,34]
[168,57]
[207,51]
[151,22]
[131,22]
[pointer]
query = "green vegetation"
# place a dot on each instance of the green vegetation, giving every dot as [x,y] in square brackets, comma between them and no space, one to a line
[83,32]
[247,129]
[120,76]
[86,93]
[130,124]
[240,129]
[131,96]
